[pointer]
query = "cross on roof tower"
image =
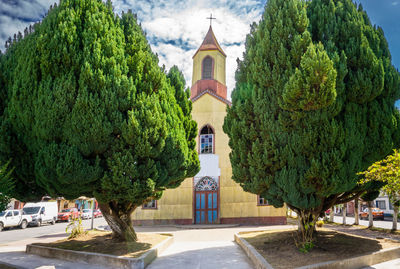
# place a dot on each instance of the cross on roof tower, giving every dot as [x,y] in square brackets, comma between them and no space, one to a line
[211,18]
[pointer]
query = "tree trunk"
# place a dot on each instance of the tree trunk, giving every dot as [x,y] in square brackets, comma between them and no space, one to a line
[344,211]
[307,221]
[118,217]
[332,214]
[356,212]
[370,216]
[395,214]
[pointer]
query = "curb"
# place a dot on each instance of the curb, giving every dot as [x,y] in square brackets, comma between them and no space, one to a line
[101,259]
[258,260]
[357,262]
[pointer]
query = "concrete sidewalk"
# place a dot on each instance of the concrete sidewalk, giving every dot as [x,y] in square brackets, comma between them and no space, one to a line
[393,264]
[21,260]
[205,248]
[212,254]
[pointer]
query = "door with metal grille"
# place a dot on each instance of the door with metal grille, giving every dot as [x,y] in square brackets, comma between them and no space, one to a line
[206,208]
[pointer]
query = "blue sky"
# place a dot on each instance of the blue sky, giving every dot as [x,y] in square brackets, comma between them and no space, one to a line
[176,28]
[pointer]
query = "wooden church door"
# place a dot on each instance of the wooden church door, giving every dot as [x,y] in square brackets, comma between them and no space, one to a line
[206,201]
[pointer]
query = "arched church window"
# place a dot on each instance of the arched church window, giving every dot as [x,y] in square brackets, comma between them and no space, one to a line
[207,68]
[206,184]
[206,140]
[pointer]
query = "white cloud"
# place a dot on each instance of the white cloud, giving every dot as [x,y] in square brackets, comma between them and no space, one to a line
[188,25]
[190,28]
[15,16]
[175,28]
[395,3]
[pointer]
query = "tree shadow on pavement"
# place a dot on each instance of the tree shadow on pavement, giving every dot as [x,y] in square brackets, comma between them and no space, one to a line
[53,235]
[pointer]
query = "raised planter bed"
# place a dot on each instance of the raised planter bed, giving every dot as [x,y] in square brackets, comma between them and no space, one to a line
[357,261]
[107,260]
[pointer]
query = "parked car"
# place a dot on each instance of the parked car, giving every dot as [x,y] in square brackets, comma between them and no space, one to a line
[376,214]
[41,212]
[97,213]
[12,218]
[87,214]
[327,212]
[68,214]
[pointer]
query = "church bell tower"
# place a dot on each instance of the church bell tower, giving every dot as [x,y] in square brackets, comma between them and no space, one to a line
[209,69]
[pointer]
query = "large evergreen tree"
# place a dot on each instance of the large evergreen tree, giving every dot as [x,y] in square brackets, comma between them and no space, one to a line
[182,96]
[315,93]
[15,76]
[95,113]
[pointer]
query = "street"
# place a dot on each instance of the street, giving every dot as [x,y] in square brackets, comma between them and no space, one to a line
[387,224]
[16,234]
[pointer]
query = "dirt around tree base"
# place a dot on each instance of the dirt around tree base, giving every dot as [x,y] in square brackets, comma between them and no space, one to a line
[279,249]
[102,242]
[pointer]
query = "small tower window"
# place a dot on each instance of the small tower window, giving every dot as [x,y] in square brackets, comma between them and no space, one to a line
[207,68]
[206,140]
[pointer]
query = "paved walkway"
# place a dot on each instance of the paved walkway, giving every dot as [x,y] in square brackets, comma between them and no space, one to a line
[205,248]
[199,255]
[393,264]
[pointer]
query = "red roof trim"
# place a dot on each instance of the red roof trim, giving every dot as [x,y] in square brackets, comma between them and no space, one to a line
[212,93]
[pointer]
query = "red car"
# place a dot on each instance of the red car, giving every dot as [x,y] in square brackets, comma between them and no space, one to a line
[68,214]
[376,214]
[97,213]
[327,212]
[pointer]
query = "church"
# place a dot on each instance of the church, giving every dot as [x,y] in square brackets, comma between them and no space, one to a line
[210,197]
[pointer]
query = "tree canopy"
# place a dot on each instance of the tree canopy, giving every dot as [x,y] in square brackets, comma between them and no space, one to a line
[315,91]
[91,113]
[388,171]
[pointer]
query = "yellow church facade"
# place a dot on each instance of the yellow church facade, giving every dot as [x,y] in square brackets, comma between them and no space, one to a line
[211,196]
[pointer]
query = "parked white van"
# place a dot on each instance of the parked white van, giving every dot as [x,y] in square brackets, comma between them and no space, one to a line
[41,212]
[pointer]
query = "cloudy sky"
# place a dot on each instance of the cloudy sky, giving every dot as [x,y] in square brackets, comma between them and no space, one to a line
[176,28]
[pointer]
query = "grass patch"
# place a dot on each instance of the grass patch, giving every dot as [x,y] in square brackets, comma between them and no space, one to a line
[279,249]
[102,242]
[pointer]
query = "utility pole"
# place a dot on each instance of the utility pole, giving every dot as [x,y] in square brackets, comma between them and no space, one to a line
[91,225]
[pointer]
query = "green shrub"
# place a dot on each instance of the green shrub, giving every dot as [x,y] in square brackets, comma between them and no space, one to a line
[76,228]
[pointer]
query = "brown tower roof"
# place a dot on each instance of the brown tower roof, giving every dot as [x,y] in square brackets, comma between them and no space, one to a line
[210,43]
